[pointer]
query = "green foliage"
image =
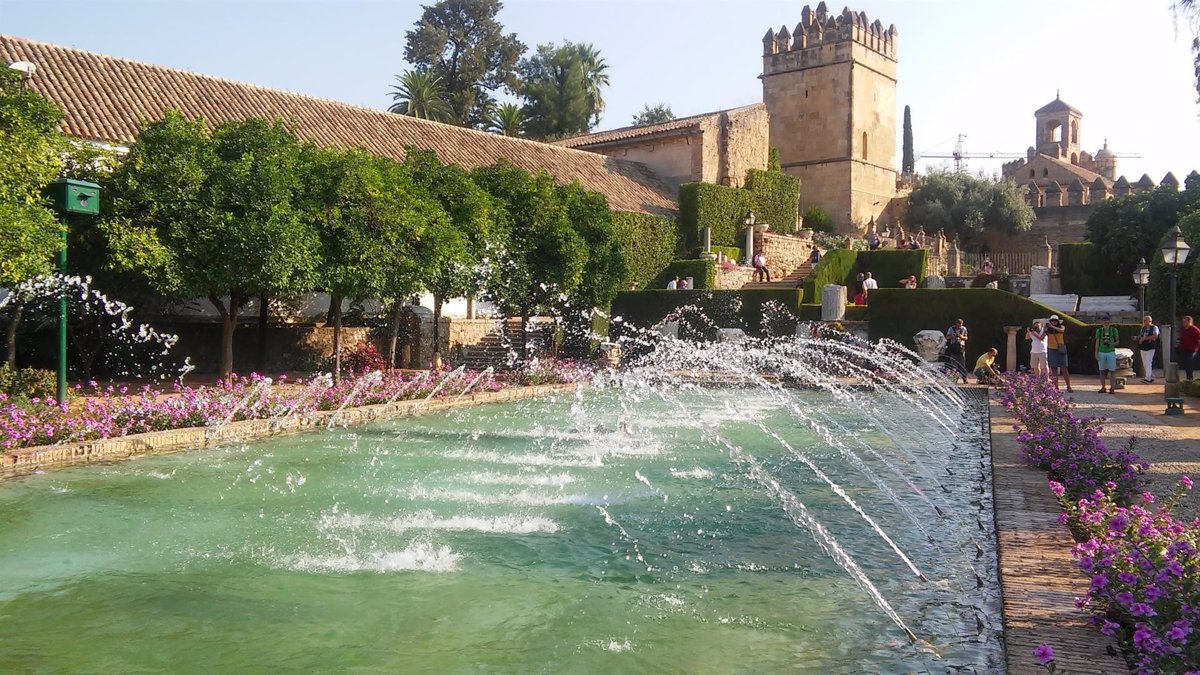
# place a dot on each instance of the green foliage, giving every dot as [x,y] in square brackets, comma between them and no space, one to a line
[702,271]
[605,270]
[967,206]
[27,383]
[733,253]
[815,218]
[727,308]
[1125,229]
[721,208]
[648,244]
[908,160]
[30,236]
[507,119]
[595,78]
[461,42]
[656,114]
[835,267]
[890,267]
[1158,293]
[555,89]
[1084,272]
[899,314]
[419,93]
[773,163]
[774,198]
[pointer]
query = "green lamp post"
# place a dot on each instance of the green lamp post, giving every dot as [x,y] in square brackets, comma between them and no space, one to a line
[70,198]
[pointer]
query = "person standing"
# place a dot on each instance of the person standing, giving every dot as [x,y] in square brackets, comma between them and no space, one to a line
[1056,351]
[869,283]
[673,284]
[1106,338]
[1147,343]
[1188,346]
[956,349]
[1037,349]
[910,282]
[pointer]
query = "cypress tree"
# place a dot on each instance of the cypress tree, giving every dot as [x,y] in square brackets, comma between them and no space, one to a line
[908,163]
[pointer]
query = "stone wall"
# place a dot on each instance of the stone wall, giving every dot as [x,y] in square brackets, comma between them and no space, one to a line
[1056,224]
[743,144]
[784,253]
[289,347]
[677,158]
[733,279]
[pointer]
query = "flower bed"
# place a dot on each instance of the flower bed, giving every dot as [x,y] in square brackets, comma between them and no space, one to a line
[108,412]
[1142,561]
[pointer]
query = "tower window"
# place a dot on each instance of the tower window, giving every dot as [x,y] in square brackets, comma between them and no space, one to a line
[1032,173]
[805,93]
[864,145]
[1045,172]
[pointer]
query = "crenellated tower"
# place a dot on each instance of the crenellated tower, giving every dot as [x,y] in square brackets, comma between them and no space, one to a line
[830,89]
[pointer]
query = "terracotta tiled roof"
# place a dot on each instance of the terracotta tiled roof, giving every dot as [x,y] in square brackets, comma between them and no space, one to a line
[106,99]
[1057,105]
[675,125]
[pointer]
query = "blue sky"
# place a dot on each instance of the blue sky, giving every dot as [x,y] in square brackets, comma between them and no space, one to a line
[978,68]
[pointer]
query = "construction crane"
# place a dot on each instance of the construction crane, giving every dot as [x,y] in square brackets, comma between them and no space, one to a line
[960,156]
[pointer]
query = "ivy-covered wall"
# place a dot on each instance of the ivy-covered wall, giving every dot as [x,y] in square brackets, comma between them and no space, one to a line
[648,243]
[773,196]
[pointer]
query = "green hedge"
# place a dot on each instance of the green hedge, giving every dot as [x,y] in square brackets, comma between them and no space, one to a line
[889,267]
[775,198]
[835,267]
[1083,271]
[721,208]
[899,314]
[648,243]
[702,271]
[732,252]
[727,308]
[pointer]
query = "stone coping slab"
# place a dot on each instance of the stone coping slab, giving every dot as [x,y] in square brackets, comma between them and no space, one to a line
[46,457]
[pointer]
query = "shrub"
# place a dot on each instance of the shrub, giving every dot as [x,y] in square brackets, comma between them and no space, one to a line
[28,382]
[363,358]
[1189,387]
[1083,271]
[731,252]
[648,244]
[702,271]
[835,267]
[774,198]
[815,218]
[721,208]
[889,267]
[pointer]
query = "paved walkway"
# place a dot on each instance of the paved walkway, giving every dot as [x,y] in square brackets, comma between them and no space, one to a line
[1039,579]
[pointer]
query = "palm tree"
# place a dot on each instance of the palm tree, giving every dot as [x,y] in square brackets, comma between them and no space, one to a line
[420,94]
[507,120]
[595,77]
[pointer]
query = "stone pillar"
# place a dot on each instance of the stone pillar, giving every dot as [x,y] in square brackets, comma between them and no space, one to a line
[1049,255]
[1010,357]
[749,247]
[833,302]
[1039,280]
[953,262]
[706,237]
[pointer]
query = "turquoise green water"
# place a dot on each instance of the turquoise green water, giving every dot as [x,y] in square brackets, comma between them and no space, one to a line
[531,537]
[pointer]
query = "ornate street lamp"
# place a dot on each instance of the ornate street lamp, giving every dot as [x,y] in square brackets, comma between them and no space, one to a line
[1141,278]
[1174,252]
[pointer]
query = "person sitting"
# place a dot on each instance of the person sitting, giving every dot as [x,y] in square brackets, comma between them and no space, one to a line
[986,370]
[860,298]
[910,282]
[761,273]
[673,284]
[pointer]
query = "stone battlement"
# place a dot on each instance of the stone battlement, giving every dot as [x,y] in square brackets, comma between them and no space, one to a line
[785,50]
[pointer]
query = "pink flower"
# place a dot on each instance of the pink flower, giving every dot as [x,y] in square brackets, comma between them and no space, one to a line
[1044,654]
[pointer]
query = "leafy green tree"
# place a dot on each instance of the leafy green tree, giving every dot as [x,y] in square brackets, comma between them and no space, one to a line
[451,254]
[966,205]
[1125,229]
[604,269]
[656,114]
[462,43]
[815,218]
[542,257]
[595,78]
[213,215]
[507,119]
[1189,11]
[908,162]
[420,94]
[555,90]
[31,148]
[1158,293]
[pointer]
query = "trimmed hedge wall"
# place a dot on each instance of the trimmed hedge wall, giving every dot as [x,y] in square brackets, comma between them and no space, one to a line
[727,308]
[648,243]
[899,314]
[842,266]
[812,312]
[721,208]
[775,198]
[1083,272]
[702,271]
[732,252]
[835,267]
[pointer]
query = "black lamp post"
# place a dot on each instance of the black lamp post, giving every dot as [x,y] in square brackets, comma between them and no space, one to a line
[1141,278]
[1174,252]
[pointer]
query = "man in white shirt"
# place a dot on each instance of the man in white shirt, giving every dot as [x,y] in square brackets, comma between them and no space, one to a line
[869,284]
[673,284]
[1037,349]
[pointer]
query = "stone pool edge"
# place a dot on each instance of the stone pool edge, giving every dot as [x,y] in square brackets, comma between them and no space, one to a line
[1039,580]
[26,461]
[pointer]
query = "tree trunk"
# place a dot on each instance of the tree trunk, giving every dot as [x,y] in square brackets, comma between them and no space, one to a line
[228,324]
[264,316]
[11,337]
[524,336]
[335,309]
[437,325]
[393,333]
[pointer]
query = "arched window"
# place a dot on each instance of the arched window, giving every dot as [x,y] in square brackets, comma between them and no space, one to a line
[1054,132]
[1075,158]
[1074,132]
[864,145]
[1032,173]
[1045,172]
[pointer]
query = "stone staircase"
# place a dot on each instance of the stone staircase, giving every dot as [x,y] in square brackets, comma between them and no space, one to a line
[794,279]
[497,347]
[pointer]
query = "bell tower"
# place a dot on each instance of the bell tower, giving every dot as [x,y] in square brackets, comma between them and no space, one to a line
[1058,130]
[830,90]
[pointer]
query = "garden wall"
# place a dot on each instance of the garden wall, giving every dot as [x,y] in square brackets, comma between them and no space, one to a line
[727,309]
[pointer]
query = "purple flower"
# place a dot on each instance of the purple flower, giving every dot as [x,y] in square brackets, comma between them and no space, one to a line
[1185,482]
[1057,488]
[1099,581]
[1044,654]
[1141,609]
